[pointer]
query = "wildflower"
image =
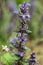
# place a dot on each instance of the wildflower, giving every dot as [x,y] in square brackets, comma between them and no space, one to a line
[5,48]
[32,60]
[13,41]
[21,37]
[27,4]
[21,54]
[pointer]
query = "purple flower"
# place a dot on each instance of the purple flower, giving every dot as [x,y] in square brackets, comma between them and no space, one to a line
[20,39]
[27,4]
[22,8]
[24,35]
[27,17]
[23,17]
[24,39]
[19,53]
[33,55]
[13,41]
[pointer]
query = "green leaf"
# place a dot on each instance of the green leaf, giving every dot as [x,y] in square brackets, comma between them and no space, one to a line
[28,31]
[7,59]
[25,63]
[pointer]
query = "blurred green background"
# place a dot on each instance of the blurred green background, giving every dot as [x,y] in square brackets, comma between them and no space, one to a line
[35,41]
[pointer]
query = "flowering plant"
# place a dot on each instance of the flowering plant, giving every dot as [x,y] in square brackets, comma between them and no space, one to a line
[22,35]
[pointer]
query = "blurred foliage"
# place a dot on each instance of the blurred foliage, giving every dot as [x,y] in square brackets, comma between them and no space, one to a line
[8,59]
[5,59]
